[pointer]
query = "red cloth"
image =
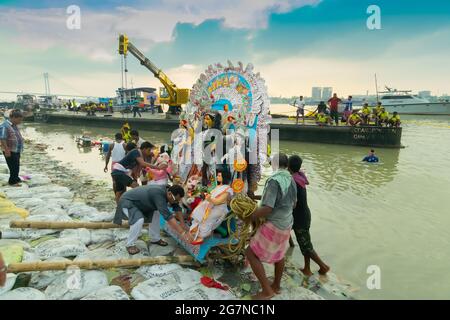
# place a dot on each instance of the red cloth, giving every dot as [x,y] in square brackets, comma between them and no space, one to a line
[195,203]
[334,102]
[211,283]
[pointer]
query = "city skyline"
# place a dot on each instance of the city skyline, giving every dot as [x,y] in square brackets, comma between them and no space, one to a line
[294,44]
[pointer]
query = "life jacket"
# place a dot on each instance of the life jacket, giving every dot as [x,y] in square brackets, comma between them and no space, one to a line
[322,118]
[395,118]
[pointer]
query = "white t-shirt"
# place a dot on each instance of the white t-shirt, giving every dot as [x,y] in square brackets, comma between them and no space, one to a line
[140,142]
[118,152]
[300,104]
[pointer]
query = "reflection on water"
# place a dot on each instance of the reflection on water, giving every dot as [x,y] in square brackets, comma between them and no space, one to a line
[340,169]
[393,214]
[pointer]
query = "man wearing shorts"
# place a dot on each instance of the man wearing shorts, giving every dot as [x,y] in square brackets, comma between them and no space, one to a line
[122,172]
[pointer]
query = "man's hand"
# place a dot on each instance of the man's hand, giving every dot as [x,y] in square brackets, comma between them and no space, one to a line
[7,153]
[188,236]
[106,169]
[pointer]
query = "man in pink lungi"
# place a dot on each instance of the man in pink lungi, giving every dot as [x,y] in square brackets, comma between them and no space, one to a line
[271,241]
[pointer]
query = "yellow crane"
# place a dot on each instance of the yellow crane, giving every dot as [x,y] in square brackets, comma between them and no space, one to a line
[169,94]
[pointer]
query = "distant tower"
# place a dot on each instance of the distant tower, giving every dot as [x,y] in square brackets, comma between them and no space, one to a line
[46,84]
[425,94]
[327,92]
[316,94]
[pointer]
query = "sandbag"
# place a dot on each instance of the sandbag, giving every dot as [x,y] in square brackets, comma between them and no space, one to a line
[54,217]
[4,178]
[38,180]
[23,213]
[78,209]
[18,193]
[48,208]
[200,292]
[121,250]
[10,281]
[65,247]
[99,254]
[8,242]
[49,189]
[99,236]
[33,234]
[12,253]
[165,287]
[55,195]
[108,293]
[120,234]
[76,284]
[30,203]
[98,217]
[24,293]
[84,235]
[41,280]
[149,272]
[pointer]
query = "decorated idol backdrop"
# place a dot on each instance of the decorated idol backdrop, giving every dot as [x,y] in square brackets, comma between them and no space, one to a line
[234,100]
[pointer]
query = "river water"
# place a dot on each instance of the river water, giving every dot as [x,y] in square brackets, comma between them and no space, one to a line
[393,215]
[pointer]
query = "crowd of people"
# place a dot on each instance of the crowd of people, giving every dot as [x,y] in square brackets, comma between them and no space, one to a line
[145,190]
[328,114]
[283,206]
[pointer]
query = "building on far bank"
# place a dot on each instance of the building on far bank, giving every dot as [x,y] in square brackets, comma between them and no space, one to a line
[316,94]
[327,93]
[425,94]
[129,96]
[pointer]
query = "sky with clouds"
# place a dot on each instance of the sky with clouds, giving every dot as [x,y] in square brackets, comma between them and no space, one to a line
[294,44]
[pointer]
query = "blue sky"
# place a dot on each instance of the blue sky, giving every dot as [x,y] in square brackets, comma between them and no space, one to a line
[295,44]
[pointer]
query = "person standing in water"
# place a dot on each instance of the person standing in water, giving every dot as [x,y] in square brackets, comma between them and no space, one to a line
[371,157]
[302,219]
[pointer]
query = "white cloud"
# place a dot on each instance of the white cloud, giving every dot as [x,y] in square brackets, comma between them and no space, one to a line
[46,28]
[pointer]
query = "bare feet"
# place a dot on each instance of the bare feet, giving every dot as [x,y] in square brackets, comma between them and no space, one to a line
[306,272]
[276,289]
[263,296]
[323,271]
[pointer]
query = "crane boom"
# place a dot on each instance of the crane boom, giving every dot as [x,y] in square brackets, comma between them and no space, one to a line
[176,96]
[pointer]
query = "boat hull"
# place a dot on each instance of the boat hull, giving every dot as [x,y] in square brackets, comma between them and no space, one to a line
[420,109]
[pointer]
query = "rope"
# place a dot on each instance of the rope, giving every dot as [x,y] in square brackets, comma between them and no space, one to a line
[242,207]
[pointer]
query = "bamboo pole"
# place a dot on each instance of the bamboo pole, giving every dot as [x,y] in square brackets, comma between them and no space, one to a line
[97,264]
[65,225]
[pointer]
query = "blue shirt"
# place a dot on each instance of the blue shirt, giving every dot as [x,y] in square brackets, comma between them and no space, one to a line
[348,105]
[371,159]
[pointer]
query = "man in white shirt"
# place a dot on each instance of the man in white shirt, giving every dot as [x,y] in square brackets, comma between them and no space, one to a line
[300,104]
[136,138]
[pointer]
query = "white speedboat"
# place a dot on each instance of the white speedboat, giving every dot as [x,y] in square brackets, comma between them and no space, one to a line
[406,103]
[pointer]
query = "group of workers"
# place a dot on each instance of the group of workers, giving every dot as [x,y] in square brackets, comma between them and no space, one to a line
[90,107]
[327,115]
[378,115]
